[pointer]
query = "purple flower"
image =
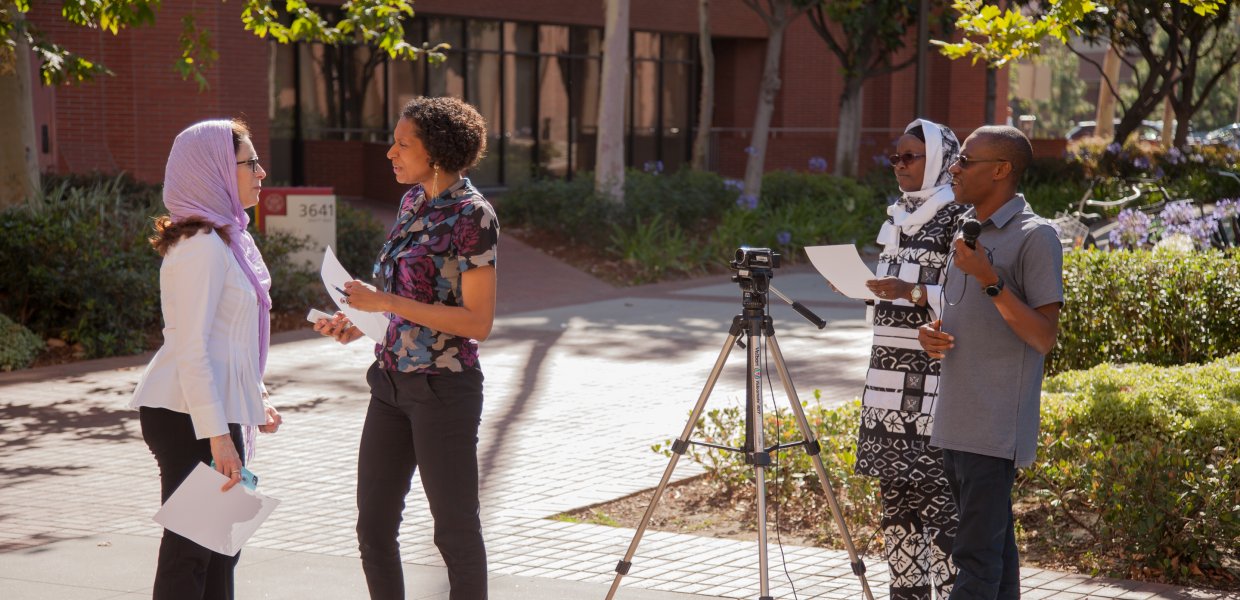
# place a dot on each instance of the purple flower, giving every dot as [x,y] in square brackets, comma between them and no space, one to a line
[1114,148]
[1227,208]
[747,201]
[1178,213]
[784,238]
[1132,230]
[1141,163]
[1201,231]
[750,150]
[653,166]
[1175,157]
[882,160]
[818,164]
[734,185]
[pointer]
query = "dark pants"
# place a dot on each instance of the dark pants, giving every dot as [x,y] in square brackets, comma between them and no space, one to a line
[987,564]
[428,422]
[185,570]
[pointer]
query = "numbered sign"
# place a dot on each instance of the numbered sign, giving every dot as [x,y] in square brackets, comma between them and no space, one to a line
[302,212]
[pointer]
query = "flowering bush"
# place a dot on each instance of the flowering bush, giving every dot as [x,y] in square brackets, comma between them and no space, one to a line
[1134,229]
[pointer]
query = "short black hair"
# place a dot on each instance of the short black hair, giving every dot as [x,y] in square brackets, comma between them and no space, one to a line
[452,131]
[1012,144]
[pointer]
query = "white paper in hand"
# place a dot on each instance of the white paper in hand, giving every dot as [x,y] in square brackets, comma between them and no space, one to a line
[374,325]
[218,521]
[843,267]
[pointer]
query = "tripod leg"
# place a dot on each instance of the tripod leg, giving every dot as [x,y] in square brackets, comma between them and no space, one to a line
[812,447]
[678,448]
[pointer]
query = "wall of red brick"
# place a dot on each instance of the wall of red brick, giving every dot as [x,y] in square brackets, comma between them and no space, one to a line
[128,121]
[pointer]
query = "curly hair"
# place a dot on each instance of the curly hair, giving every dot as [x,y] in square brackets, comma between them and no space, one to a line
[167,233]
[454,134]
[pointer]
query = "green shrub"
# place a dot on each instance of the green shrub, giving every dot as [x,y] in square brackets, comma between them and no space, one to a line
[77,265]
[294,286]
[798,210]
[1147,307]
[569,209]
[18,346]
[359,237]
[793,482]
[1142,461]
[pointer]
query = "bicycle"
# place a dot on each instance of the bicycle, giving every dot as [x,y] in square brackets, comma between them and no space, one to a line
[1080,229]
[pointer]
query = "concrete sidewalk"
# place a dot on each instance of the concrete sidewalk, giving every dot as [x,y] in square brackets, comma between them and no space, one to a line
[581,379]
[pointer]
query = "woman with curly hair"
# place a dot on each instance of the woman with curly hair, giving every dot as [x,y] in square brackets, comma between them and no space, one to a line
[436,282]
[202,394]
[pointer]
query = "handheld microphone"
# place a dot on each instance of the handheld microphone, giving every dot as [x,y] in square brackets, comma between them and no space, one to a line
[969,232]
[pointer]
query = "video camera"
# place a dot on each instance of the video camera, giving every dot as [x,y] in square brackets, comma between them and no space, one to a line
[753,268]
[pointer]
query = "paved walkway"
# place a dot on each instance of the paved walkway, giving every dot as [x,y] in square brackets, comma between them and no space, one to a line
[581,379]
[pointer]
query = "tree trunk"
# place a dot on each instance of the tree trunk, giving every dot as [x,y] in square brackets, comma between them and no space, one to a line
[849,138]
[609,166]
[1104,126]
[19,161]
[706,103]
[766,102]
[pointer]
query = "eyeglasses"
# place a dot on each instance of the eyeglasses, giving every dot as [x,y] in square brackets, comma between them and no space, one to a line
[905,159]
[965,161]
[253,163]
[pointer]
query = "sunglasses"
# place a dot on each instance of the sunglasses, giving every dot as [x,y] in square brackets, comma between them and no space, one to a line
[253,163]
[965,161]
[905,159]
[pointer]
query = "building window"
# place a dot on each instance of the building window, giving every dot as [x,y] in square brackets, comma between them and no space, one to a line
[536,84]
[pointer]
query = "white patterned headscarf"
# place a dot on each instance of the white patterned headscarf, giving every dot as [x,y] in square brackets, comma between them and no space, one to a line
[915,208]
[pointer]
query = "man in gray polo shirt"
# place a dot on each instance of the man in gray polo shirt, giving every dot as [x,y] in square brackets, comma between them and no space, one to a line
[1000,319]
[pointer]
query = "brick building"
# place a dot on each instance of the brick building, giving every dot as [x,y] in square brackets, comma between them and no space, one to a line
[321,115]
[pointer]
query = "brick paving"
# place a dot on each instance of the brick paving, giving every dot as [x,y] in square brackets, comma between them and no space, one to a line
[581,379]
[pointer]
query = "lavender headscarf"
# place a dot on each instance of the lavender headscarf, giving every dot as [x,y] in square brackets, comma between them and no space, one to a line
[201,181]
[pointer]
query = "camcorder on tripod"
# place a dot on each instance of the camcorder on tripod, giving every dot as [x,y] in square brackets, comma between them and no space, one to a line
[753,269]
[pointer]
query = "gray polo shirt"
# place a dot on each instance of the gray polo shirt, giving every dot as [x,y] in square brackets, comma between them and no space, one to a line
[991,384]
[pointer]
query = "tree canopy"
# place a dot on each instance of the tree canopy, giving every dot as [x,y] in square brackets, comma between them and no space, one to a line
[378,23]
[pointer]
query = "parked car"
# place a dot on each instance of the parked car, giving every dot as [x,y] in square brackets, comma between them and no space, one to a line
[1228,135]
[1148,131]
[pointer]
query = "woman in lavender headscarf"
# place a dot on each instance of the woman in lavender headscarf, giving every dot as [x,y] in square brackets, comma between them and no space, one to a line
[901,386]
[203,395]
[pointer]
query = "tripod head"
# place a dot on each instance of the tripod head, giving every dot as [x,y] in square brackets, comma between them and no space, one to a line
[753,269]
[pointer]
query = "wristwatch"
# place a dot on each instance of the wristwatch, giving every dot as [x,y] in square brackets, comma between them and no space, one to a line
[916,294]
[993,289]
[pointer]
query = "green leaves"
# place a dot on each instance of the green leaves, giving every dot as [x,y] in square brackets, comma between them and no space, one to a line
[1000,36]
[197,53]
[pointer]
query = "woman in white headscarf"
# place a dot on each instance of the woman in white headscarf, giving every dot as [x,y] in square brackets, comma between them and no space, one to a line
[919,514]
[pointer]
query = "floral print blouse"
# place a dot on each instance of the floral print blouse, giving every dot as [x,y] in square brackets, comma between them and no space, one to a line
[432,243]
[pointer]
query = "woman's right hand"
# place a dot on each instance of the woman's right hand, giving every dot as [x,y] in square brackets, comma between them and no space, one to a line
[338,327]
[227,461]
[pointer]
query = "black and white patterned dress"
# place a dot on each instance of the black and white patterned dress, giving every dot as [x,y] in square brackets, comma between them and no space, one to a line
[919,514]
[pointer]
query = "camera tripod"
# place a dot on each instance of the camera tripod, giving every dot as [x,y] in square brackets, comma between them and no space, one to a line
[754,324]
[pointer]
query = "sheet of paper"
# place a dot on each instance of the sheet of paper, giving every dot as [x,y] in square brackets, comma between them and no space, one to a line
[843,267]
[219,521]
[374,325]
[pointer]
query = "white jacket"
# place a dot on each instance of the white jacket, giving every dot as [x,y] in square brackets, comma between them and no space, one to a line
[208,365]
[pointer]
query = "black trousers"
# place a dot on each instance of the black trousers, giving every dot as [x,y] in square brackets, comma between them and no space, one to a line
[185,570]
[987,562]
[428,422]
